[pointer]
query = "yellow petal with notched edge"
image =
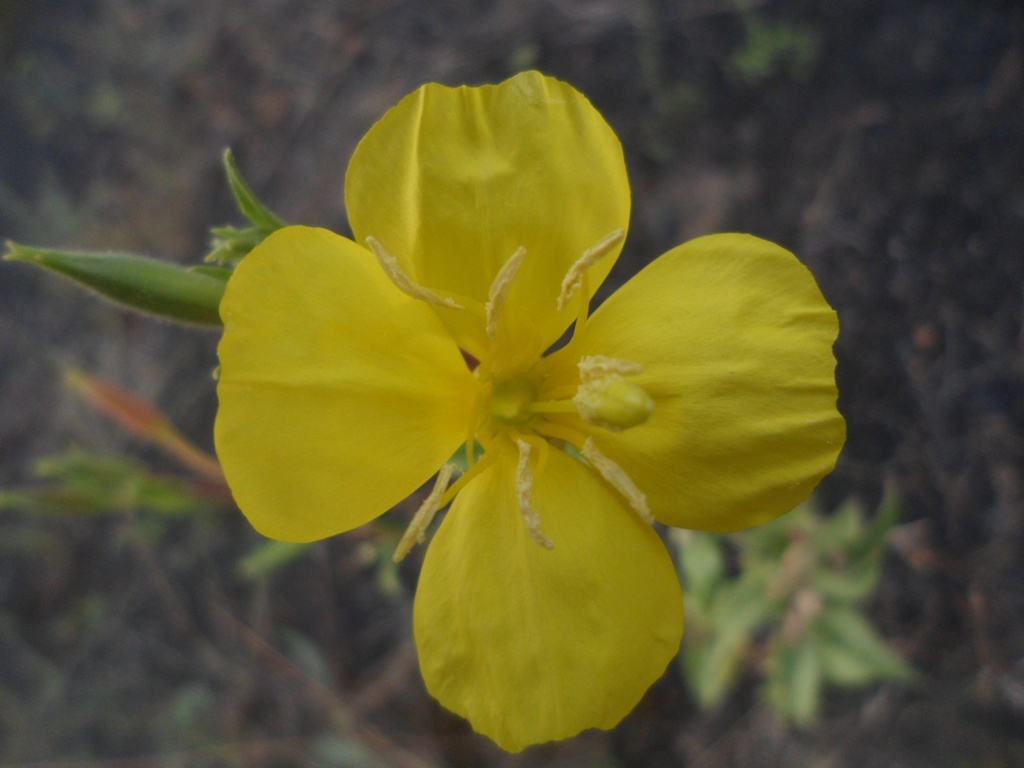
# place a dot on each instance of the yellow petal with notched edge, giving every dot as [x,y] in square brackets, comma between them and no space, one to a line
[339,395]
[452,181]
[531,644]
[736,341]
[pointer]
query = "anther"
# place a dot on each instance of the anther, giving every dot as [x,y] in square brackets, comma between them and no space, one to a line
[524,496]
[606,399]
[618,479]
[596,366]
[573,278]
[403,282]
[416,533]
[499,290]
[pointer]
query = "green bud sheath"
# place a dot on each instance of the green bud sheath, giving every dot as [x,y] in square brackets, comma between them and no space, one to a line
[139,283]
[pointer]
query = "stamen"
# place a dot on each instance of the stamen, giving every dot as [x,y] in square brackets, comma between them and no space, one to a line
[538,444]
[549,428]
[416,533]
[499,290]
[524,496]
[593,367]
[590,257]
[618,479]
[453,490]
[403,282]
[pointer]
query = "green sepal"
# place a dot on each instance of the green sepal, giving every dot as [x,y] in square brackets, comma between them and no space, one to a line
[137,282]
[248,203]
[231,244]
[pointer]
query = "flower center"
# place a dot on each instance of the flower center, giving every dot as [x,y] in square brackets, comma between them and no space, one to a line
[511,401]
[555,401]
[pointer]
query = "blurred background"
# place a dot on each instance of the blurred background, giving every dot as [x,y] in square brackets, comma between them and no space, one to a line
[142,621]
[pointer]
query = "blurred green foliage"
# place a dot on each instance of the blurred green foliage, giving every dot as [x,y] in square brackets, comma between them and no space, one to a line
[81,482]
[786,599]
[775,48]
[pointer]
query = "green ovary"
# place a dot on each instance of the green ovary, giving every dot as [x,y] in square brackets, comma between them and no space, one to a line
[511,400]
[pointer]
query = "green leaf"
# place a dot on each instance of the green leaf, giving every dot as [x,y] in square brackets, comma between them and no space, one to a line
[853,654]
[770,540]
[878,530]
[774,48]
[336,751]
[47,500]
[712,660]
[248,203]
[86,483]
[851,584]
[794,684]
[388,579]
[740,606]
[143,284]
[269,556]
[189,705]
[709,683]
[702,564]
[306,655]
[711,669]
[843,527]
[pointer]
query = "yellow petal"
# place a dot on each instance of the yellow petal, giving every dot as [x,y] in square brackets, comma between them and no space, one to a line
[339,395]
[452,181]
[532,644]
[736,343]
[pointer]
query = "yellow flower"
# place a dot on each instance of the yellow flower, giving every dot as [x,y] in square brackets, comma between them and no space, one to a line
[701,395]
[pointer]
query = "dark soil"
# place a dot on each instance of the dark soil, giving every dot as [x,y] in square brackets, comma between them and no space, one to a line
[888,152]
